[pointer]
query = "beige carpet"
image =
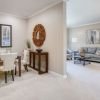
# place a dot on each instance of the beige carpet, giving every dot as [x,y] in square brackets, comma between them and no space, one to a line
[83,83]
[85,80]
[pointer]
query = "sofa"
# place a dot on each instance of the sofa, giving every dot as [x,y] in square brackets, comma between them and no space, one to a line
[90,52]
[87,52]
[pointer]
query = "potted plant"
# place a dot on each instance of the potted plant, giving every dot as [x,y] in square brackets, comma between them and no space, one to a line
[28,44]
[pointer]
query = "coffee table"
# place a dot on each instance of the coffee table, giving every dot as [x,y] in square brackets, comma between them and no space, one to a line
[76,59]
[90,59]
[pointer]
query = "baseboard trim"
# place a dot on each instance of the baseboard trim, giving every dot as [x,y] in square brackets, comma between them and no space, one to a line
[57,74]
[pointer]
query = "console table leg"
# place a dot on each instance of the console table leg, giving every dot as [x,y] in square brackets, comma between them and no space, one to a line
[34,61]
[39,64]
[47,63]
[19,64]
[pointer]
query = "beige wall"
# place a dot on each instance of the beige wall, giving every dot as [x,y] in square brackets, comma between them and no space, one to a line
[80,34]
[18,31]
[52,19]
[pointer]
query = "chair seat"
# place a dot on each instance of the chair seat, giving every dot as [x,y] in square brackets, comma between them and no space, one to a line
[4,68]
[22,62]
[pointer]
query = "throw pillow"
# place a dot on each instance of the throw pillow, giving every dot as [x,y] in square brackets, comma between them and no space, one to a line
[81,52]
[91,50]
[98,52]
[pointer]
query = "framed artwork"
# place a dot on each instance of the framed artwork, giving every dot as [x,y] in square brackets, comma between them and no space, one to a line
[93,36]
[5,35]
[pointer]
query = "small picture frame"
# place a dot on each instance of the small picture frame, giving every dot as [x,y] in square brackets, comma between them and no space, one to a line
[5,35]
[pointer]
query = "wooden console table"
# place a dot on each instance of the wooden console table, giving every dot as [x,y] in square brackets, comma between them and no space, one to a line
[33,59]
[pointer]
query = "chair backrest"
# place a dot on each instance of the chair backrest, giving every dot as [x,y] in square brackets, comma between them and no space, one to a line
[26,56]
[8,60]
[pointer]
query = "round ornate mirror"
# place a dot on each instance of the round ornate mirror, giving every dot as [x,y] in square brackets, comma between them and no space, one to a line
[39,35]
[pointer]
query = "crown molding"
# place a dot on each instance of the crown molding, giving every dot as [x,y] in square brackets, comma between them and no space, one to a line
[44,9]
[82,25]
[12,15]
[36,13]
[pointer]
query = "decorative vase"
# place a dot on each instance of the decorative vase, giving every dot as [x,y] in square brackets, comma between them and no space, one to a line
[39,50]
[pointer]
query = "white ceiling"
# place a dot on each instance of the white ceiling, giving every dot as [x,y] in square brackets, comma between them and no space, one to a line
[80,12]
[24,8]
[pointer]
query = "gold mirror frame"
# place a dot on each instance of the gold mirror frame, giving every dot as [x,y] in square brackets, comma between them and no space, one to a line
[39,35]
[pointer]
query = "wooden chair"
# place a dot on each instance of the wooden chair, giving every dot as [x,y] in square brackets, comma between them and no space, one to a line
[8,64]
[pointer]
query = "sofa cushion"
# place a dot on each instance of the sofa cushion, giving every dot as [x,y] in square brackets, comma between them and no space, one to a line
[98,52]
[98,57]
[85,49]
[98,48]
[92,50]
[89,55]
[92,55]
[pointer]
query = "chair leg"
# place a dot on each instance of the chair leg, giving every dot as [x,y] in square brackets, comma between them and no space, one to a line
[12,74]
[25,66]
[8,72]
[5,76]
[83,63]
[15,71]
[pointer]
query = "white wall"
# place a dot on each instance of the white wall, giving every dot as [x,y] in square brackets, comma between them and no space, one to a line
[52,19]
[80,34]
[18,31]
